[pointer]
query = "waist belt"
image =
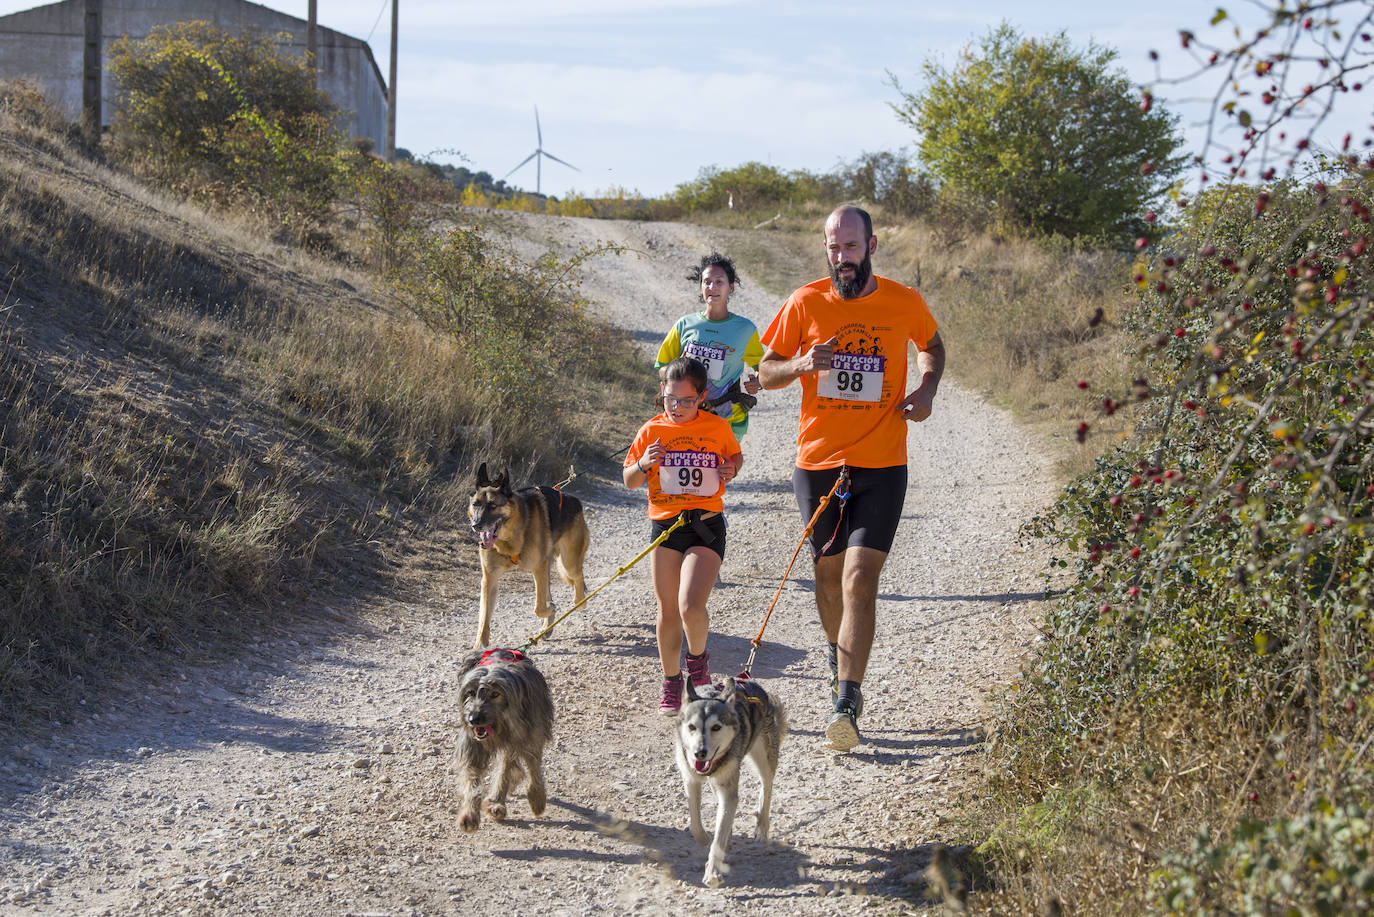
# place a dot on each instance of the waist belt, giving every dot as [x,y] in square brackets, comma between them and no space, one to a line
[697,520]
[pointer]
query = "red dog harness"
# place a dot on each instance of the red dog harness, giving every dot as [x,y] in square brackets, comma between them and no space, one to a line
[497,654]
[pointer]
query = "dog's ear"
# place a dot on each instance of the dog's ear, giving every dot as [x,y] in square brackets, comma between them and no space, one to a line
[727,689]
[482,479]
[502,482]
[692,694]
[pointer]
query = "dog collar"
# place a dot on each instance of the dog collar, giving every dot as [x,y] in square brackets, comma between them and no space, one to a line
[498,654]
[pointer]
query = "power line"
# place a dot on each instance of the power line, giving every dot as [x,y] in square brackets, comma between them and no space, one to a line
[377,21]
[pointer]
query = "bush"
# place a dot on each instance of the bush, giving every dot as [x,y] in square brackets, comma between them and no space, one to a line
[1051,134]
[520,328]
[394,200]
[747,187]
[889,180]
[1223,560]
[228,116]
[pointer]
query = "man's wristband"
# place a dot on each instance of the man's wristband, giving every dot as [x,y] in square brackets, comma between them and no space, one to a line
[639,463]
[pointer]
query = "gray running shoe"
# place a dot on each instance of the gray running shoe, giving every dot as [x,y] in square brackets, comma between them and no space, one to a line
[842,732]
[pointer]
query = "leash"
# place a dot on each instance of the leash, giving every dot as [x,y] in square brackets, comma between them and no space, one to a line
[841,479]
[677,524]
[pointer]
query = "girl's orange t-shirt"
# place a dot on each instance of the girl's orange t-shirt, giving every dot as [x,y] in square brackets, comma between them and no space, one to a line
[687,477]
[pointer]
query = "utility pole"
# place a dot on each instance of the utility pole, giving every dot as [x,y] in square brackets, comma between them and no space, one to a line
[312,44]
[391,101]
[90,75]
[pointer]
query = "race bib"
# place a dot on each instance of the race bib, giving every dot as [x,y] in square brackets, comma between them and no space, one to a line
[852,377]
[712,355]
[692,473]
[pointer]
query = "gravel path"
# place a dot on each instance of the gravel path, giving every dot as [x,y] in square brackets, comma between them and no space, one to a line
[314,775]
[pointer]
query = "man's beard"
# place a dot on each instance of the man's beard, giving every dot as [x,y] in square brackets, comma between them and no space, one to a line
[853,287]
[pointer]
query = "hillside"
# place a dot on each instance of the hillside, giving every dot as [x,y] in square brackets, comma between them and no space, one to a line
[148,443]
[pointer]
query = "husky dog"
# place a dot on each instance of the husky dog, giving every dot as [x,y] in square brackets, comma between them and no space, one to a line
[715,733]
[507,720]
[525,529]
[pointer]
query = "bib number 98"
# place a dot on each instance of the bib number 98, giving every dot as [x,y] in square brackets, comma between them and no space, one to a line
[852,377]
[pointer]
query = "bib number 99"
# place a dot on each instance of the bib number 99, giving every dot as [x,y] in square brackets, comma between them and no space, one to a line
[688,472]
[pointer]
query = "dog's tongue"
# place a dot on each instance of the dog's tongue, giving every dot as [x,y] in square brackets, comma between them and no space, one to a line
[488,537]
[703,767]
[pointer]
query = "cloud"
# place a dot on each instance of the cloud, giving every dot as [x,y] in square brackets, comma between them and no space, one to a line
[745,104]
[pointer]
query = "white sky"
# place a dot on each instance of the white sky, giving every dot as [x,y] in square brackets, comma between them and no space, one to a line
[641,94]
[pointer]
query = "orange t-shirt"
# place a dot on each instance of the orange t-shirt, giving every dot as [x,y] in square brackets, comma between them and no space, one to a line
[848,413]
[687,477]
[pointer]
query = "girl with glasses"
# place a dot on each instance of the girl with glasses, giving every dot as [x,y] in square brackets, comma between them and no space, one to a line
[686,456]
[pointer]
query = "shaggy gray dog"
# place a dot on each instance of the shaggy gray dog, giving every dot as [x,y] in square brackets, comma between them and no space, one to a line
[507,720]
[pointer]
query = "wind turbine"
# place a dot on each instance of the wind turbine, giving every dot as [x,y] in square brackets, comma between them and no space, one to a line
[538,156]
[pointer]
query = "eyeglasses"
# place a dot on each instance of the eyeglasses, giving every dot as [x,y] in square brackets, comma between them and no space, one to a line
[671,402]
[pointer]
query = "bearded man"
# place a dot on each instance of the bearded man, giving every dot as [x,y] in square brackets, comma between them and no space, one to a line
[845,338]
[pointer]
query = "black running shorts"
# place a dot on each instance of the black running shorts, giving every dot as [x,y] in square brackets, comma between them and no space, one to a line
[868,518]
[688,537]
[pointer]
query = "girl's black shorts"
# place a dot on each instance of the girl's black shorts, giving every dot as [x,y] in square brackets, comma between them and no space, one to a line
[688,536]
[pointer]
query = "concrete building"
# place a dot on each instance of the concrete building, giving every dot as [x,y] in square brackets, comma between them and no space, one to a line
[44,45]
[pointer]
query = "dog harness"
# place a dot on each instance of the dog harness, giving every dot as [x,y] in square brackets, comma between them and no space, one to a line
[498,654]
[746,689]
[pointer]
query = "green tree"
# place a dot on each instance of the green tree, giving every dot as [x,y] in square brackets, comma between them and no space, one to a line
[1052,135]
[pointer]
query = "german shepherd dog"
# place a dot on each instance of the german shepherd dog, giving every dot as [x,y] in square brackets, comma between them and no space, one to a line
[525,529]
[715,733]
[507,720]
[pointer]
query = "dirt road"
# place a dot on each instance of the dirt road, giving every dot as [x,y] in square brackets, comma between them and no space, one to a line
[314,776]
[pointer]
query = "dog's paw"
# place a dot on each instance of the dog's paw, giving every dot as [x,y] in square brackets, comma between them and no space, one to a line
[537,798]
[715,873]
[761,830]
[469,819]
[496,810]
[548,611]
